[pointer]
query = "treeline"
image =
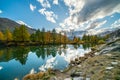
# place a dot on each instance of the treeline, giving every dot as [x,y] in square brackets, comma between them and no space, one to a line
[94,39]
[21,35]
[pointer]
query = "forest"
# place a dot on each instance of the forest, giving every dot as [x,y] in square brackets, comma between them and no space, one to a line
[21,36]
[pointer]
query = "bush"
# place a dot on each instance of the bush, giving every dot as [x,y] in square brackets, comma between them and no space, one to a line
[101,42]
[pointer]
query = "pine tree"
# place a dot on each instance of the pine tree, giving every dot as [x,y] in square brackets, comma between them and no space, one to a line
[33,37]
[43,35]
[38,35]
[24,34]
[16,34]
[54,35]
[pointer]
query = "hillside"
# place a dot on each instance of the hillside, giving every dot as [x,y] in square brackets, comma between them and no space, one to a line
[10,24]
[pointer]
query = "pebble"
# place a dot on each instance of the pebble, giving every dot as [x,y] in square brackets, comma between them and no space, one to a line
[114,63]
[79,66]
[78,78]
[67,79]
[109,68]
[87,78]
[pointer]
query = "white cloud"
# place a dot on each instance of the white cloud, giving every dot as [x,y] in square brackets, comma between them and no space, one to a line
[96,9]
[1,11]
[55,2]
[96,24]
[74,5]
[32,8]
[44,3]
[101,23]
[23,23]
[99,31]
[116,24]
[50,16]
[83,11]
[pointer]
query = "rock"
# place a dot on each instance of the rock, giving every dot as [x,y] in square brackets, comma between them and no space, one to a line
[78,78]
[108,55]
[76,74]
[67,79]
[93,48]
[79,66]
[16,79]
[53,78]
[76,59]
[114,63]
[109,68]
[87,78]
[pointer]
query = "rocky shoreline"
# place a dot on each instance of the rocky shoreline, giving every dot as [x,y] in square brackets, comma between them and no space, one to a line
[102,63]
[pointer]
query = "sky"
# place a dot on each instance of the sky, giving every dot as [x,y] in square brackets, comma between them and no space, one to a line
[91,15]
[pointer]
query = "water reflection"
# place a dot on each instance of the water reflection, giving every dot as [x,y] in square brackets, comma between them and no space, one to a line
[20,60]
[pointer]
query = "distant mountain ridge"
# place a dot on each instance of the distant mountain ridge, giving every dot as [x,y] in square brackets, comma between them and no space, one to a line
[10,24]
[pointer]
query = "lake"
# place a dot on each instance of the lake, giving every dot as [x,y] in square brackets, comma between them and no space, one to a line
[16,62]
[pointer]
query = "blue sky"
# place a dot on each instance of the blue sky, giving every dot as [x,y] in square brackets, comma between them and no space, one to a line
[91,15]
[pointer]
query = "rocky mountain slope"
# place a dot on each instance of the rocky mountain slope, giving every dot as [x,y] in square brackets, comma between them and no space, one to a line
[10,24]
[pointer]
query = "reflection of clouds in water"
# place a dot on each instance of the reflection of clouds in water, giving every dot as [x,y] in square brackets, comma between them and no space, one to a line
[32,71]
[57,62]
[61,61]
[1,67]
[49,64]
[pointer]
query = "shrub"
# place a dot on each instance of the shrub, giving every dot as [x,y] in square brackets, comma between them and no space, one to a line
[101,42]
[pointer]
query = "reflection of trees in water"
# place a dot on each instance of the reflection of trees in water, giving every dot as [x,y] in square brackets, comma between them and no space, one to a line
[88,45]
[6,54]
[76,46]
[21,54]
[43,51]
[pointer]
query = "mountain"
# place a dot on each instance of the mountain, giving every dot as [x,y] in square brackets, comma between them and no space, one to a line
[10,24]
[115,35]
[101,32]
[71,34]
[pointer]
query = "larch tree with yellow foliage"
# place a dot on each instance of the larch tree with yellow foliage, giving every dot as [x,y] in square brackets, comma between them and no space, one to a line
[8,35]
[1,36]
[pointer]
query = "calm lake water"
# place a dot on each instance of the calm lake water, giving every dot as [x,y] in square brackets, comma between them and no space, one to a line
[16,62]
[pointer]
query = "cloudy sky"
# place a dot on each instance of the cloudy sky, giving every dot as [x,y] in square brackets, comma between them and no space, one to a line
[91,15]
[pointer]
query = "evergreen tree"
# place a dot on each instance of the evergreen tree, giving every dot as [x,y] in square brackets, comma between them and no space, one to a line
[33,37]
[54,35]
[43,35]
[24,34]
[38,35]
[16,34]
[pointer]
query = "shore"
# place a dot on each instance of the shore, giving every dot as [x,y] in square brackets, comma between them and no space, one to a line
[102,63]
